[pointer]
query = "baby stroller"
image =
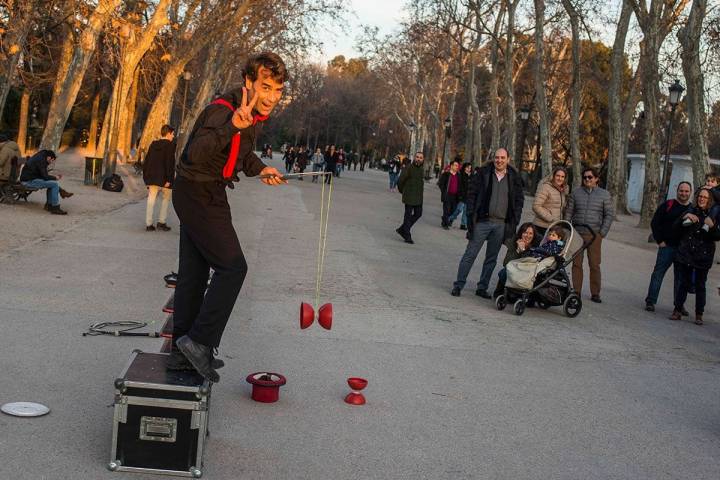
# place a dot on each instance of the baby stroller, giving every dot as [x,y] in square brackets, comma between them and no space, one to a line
[545,281]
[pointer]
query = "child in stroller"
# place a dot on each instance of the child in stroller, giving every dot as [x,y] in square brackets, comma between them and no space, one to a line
[540,277]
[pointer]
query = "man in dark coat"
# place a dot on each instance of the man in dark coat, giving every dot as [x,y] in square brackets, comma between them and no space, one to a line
[494,206]
[158,174]
[219,146]
[411,185]
[35,174]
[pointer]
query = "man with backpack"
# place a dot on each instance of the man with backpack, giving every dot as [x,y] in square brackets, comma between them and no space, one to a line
[667,239]
[219,146]
[158,174]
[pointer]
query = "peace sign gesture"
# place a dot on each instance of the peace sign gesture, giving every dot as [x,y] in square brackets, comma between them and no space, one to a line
[243,117]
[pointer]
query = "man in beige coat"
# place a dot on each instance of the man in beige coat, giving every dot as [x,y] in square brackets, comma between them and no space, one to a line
[550,200]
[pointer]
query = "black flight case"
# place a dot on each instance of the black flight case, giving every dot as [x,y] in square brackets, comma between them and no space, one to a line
[161,418]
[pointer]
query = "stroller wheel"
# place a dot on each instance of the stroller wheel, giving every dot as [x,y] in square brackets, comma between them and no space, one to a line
[519,307]
[572,305]
[500,302]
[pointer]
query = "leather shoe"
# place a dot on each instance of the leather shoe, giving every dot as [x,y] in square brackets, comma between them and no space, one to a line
[150,228]
[482,293]
[649,307]
[56,210]
[199,356]
[177,361]
[163,227]
[596,299]
[65,194]
[455,292]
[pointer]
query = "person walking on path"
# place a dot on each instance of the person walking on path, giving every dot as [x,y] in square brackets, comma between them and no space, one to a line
[494,206]
[450,184]
[35,175]
[667,238]
[695,253]
[590,205]
[158,175]
[331,158]
[460,210]
[219,146]
[411,185]
[318,163]
[394,168]
[550,200]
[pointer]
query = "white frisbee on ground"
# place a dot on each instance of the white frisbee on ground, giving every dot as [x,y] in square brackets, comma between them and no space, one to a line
[25,409]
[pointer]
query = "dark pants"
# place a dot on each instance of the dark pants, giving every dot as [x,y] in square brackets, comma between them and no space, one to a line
[494,234]
[663,261]
[449,206]
[685,274]
[207,240]
[412,215]
[333,172]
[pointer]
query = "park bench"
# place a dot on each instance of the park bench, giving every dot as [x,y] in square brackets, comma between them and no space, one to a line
[11,190]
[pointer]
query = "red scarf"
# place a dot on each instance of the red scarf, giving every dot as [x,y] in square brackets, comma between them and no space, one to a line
[229,168]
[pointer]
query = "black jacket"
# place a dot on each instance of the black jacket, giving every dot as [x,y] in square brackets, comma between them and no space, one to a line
[208,145]
[697,247]
[663,222]
[478,198]
[444,184]
[331,161]
[159,164]
[36,168]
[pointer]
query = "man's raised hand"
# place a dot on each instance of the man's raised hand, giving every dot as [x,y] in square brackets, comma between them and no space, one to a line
[243,117]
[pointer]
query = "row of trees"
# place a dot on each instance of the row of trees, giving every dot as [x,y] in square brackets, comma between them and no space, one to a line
[588,96]
[114,67]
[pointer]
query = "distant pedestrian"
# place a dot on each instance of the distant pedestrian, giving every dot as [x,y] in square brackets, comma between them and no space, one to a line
[301,161]
[394,172]
[590,205]
[494,207]
[668,239]
[450,184]
[331,158]
[363,161]
[695,253]
[158,174]
[550,199]
[460,210]
[341,158]
[318,163]
[411,184]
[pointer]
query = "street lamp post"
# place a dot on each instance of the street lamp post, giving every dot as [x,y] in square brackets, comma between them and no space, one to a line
[448,123]
[676,91]
[186,76]
[524,113]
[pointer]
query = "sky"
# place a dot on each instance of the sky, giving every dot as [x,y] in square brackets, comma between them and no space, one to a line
[384,14]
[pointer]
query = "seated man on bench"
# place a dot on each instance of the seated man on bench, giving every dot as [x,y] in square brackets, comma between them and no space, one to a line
[8,151]
[35,175]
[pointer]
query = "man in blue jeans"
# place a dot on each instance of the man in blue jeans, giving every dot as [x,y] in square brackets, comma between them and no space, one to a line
[35,174]
[667,239]
[494,206]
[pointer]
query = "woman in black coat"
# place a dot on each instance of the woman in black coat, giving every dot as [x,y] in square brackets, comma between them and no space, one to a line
[695,253]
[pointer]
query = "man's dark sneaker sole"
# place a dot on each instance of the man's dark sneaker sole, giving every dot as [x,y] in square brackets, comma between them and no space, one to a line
[186,346]
[183,365]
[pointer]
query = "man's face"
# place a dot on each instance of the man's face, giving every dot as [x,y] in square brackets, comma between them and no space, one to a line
[454,167]
[683,193]
[501,160]
[419,158]
[589,180]
[268,90]
[50,160]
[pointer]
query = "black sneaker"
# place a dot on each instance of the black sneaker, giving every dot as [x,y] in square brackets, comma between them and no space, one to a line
[163,227]
[150,228]
[649,307]
[56,210]
[409,240]
[178,361]
[199,356]
[596,299]
[455,292]
[482,293]
[400,232]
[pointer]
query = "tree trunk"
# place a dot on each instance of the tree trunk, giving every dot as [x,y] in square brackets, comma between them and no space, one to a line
[649,59]
[617,181]
[689,37]
[451,115]
[160,110]
[494,95]
[576,92]
[510,115]
[126,137]
[470,118]
[540,97]
[18,30]
[23,125]
[94,118]
[74,63]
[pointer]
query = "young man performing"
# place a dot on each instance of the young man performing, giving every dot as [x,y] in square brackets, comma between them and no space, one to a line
[219,146]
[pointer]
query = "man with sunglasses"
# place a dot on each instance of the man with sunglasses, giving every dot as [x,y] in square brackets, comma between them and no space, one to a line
[592,206]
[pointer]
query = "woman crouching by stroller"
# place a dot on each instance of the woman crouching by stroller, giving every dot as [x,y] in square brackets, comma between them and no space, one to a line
[695,253]
[525,238]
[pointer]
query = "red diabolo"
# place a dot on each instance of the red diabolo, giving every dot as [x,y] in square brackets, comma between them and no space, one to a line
[355,397]
[307,315]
